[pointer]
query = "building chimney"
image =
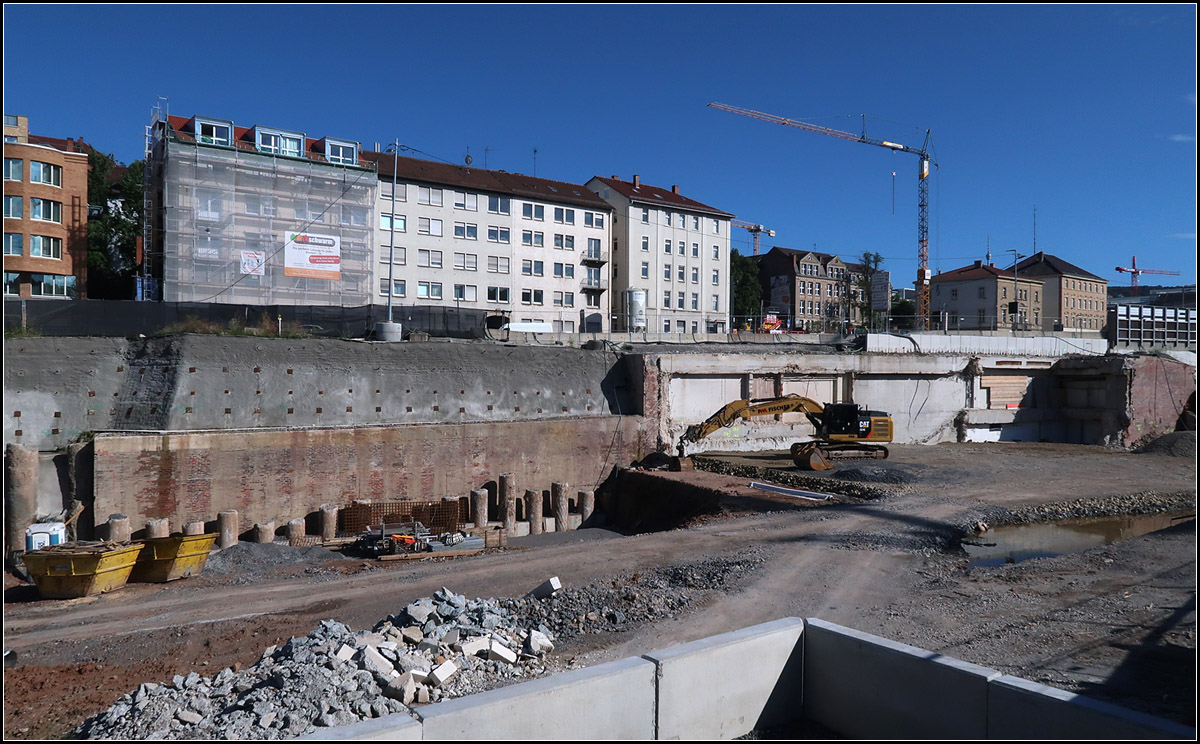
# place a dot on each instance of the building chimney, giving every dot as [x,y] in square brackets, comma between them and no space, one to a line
[637,180]
[675,189]
[978,264]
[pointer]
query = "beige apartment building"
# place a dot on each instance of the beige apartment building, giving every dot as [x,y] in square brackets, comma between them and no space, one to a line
[530,249]
[670,259]
[981,297]
[817,292]
[1074,299]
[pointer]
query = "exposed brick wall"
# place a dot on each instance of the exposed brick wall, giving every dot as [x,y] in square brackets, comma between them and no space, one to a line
[285,474]
[1158,388]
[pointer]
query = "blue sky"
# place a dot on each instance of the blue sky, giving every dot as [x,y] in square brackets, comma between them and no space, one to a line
[1085,113]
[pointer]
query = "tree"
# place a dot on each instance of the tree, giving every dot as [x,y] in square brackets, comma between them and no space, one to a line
[871,263]
[744,282]
[904,314]
[114,229]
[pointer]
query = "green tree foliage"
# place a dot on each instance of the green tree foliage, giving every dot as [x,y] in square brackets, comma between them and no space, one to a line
[747,289]
[904,314]
[113,233]
[872,263]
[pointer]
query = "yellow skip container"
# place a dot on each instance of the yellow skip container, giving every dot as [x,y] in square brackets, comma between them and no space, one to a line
[74,570]
[169,558]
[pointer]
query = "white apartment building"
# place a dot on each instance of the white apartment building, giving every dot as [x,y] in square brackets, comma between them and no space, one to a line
[672,253]
[530,249]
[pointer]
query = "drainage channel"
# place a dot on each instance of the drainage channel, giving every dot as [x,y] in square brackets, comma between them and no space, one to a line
[1016,543]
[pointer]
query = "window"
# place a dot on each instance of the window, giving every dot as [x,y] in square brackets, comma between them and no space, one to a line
[593,277]
[593,249]
[498,205]
[667,247]
[564,216]
[695,275]
[13,206]
[214,133]
[983,293]
[344,153]
[351,215]
[280,143]
[565,242]
[667,272]
[432,259]
[695,223]
[716,253]
[465,292]
[695,250]
[398,253]
[264,206]
[680,248]
[429,290]
[469,202]
[385,191]
[716,276]
[981,317]
[564,271]
[42,246]
[395,222]
[531,296]
[666,326]
[716,227]
[397,285]
[695,300]
[497,234]
[11,284]
[466,261]
[529,237]
[53,285]
[679,300]
[13,169]
[427,226]
[12,244]
[666,218]
[645,243]
[532,268]
[593,300]
[645,270]
[680,271]
[430,196]
[498,264]
[568,299]
[43,209]
[954,294]
[466,231]
[592,219]
[666,298]
[533,212]
[645,216]
[497,294]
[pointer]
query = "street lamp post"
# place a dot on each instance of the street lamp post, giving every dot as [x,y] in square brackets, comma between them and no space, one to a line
[1016,303]
[391,331]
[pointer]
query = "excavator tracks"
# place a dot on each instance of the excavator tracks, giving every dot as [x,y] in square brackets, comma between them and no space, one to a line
[823,455]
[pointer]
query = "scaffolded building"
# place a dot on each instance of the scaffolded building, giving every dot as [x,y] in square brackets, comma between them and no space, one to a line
[255,216]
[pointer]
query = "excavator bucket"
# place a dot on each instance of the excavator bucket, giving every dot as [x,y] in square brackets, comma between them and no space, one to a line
[810,456]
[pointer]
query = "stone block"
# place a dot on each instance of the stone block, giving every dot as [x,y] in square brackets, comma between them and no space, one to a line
[499,652]
[373,661]
[442,673]
[548,588]
[475,646]
[345,653]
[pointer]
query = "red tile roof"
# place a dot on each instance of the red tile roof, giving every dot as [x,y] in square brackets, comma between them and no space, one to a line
[644,193]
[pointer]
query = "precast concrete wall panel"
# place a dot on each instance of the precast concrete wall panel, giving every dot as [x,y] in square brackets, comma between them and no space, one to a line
[609,701]
[396,727]
[1020,709]
[728,685]
[866,687]
[696,397]
[929,343]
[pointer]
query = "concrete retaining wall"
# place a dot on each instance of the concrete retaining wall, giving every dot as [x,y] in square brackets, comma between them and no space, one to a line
[279,475]
[937,343]
[770,677]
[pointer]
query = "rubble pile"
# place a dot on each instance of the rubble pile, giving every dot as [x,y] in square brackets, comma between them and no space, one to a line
[436,648]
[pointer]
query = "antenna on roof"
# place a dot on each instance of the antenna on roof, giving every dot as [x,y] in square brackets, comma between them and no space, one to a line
[535,162]
[468,159]
[486,150]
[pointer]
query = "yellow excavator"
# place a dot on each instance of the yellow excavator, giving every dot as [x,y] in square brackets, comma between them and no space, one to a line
[843,430]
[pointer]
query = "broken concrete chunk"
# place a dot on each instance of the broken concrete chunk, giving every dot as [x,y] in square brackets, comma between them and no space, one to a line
[444,672]
[428,646]
[372,661]
[420,610]
[345,653]
[549,588]
[412,634]
[402,688]
[499,652]
[475,646]
[189,716]
[538,643]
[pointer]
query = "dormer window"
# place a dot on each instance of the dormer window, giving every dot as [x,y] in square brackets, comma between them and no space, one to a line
[214,132]
[345,153]
[276,142]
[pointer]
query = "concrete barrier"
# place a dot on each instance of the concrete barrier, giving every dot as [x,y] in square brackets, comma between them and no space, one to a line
[609,701]
[728,685]
[863,686]
[396,727]
[1020,709]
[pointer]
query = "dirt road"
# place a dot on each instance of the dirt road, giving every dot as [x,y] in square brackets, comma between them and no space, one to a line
[1116,622]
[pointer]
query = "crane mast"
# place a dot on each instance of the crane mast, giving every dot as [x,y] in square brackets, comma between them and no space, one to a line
[755,230]
[923,274]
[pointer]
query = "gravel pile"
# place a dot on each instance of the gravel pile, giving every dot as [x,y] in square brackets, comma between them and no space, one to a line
[436,648]
[1175,444]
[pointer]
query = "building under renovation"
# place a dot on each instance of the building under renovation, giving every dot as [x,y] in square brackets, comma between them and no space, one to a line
[255,216]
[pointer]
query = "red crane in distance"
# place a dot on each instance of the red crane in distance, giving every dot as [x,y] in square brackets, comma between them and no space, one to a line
[1135,271]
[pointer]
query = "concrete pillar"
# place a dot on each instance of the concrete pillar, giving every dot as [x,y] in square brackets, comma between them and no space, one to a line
[193,528]
[264,532]
[479,504]
[158,528]
[508,503]
[587,504]
[81,478]
[295,529]
[533,507]
[118,528]
[20,495]
[558,500]
[227,526]
[329,514]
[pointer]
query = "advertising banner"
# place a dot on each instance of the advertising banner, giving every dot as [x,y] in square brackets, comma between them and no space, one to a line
[253,262]
[312,256]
